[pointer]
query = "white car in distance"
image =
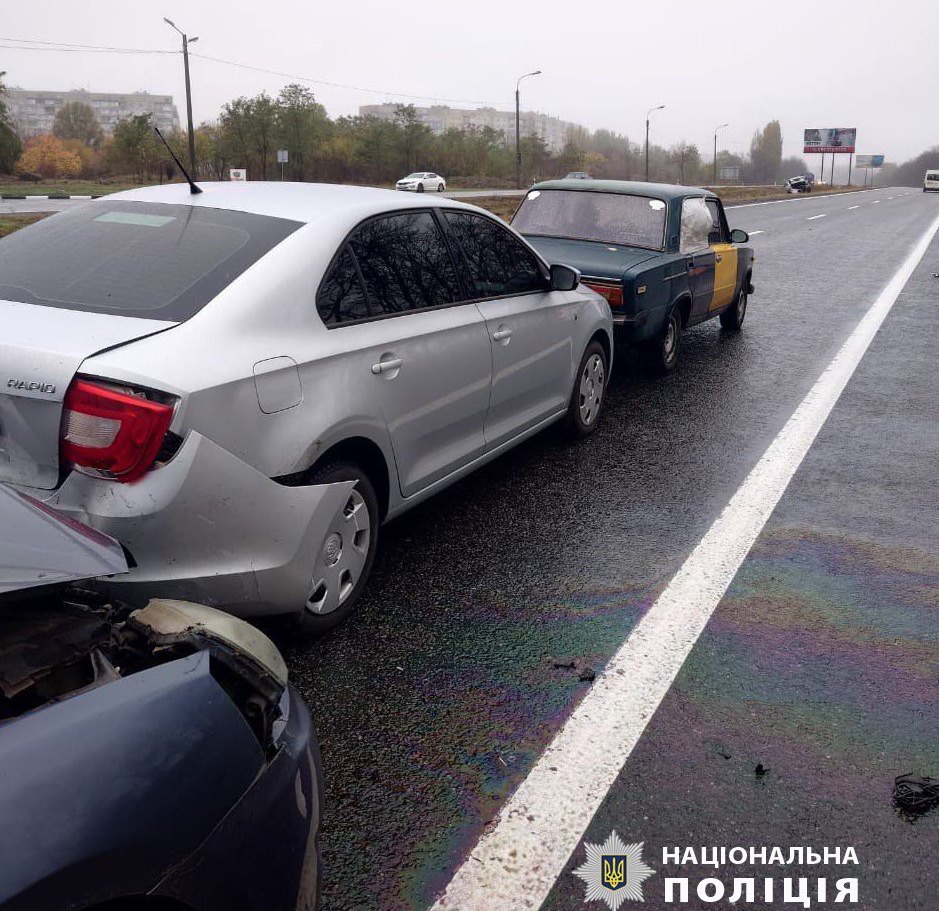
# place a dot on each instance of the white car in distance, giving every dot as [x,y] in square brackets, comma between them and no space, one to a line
[420,181]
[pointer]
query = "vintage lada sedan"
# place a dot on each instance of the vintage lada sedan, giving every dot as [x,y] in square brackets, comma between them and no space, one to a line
[662,255]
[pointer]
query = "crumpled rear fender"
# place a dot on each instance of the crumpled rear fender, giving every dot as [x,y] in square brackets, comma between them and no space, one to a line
[208,527]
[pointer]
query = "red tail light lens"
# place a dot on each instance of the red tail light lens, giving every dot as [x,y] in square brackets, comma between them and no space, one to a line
[111,432]
[613,293]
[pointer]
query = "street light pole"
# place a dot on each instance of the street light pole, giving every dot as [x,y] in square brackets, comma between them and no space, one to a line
[658,107]
[192,136]
[716,130]
[518,130]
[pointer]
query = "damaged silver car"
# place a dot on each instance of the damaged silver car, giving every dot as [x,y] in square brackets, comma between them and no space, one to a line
[241,385]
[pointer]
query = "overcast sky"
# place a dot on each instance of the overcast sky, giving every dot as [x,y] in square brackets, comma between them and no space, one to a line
[868,64]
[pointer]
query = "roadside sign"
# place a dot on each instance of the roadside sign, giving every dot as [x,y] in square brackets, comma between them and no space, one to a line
[865,162]
[729,172]
[835,139]
[282,156]
[237,173]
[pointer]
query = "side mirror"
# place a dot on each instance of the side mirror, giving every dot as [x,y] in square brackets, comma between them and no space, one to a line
[739,237]
[564,278]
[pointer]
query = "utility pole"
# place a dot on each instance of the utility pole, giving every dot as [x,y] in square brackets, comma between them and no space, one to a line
[658,107]
[518,129]
[192,136]
[716,130]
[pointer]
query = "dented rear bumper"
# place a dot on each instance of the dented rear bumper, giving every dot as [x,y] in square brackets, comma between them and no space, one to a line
[208,527]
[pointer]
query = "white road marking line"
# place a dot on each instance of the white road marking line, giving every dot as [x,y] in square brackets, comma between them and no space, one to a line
[754,233]
[876,200]
[515,863]
[854,207]
[797,198]
[890,197]
[813,217]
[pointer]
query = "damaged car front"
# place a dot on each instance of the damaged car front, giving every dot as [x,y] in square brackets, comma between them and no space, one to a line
[157,752]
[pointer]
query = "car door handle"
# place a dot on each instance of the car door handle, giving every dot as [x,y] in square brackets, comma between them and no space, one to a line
[502,335]
[387,365]
[719,258]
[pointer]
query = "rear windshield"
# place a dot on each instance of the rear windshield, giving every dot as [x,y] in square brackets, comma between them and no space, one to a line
[149,260]
[613,218]
[932,175]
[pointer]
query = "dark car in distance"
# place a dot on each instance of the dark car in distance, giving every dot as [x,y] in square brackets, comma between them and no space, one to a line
[662,255]
[149,759]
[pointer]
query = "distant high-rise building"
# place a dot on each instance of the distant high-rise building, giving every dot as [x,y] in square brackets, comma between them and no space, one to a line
[34,112]
[440,118]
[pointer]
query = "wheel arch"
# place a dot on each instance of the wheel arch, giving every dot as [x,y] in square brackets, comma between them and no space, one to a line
[368,455]
[683,304]
[606,343]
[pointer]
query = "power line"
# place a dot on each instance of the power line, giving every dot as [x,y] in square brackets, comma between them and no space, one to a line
[77,48]
[30,44]
[339,85]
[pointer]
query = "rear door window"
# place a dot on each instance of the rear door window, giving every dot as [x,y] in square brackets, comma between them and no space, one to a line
[150,260]
[341,297]
[405,264]
[498,263]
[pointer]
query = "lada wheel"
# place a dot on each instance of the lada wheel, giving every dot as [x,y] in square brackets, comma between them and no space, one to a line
[343,559]
[662,352]
[732,317]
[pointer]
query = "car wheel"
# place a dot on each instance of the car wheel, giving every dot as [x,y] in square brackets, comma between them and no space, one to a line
[662,352]
[732,317]
[420,188]
[343,559]
[586,404]
[441,187]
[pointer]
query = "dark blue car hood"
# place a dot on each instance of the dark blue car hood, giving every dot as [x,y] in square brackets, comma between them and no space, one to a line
[594,259]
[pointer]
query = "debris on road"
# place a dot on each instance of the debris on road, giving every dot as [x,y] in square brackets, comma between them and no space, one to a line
[915,794]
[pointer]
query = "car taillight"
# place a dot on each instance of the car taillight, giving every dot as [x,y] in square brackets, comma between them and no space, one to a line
[111,433]
[613,293]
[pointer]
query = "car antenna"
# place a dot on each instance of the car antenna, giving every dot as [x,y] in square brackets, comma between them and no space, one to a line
[193,186]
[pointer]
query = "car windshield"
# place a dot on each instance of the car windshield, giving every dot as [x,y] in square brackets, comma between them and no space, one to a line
[419,174]
[149,260]
[613,218]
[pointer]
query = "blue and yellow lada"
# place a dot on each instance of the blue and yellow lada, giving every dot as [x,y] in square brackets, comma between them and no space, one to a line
[663,256]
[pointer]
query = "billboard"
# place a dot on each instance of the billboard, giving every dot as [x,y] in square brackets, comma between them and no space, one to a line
[838,139]
[865,162]
[729,172]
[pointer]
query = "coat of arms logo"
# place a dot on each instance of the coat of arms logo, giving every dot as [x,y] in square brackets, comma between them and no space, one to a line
[614,872]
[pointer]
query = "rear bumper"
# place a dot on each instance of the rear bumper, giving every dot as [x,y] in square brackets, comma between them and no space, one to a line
[208,527]
[263,854]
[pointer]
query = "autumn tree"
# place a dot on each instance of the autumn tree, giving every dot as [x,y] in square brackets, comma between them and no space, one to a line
[766,153]
[133,146]
[77,120]
[303,126]
[47,156]
[686,159]
[10,147]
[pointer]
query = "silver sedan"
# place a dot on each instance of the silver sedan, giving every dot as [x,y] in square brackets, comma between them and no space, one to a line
[242,385]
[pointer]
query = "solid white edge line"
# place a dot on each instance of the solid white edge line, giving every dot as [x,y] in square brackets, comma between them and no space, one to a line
[516,862]
[813,217]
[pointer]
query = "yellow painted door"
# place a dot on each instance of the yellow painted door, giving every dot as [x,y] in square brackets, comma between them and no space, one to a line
[725,275]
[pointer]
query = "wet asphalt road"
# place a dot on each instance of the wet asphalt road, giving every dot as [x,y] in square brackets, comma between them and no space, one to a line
[432,703]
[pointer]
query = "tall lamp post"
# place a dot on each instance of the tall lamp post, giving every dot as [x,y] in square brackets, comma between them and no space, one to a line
[518,130]
[658,107]
[716,131]
[192,137]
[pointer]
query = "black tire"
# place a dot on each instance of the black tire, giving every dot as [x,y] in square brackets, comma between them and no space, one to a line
[732,318]
[440,188]
[420,188]
[589,392]
[662,351]
[309,621]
